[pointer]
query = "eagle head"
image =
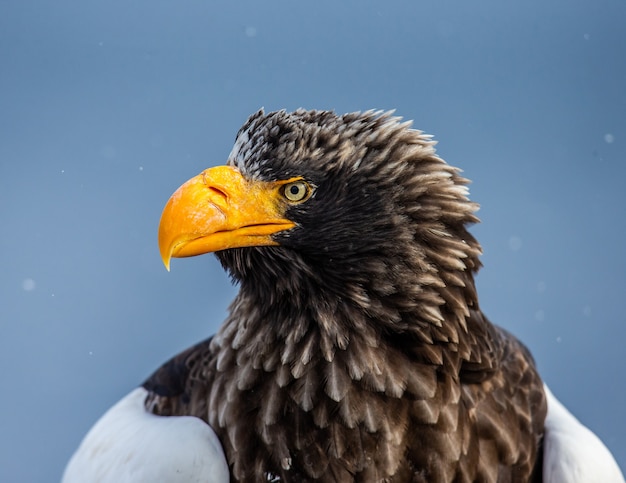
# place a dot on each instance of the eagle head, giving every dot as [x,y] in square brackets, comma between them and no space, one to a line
[315,199]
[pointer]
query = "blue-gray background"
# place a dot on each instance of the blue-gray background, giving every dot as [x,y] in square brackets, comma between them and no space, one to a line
[106,107]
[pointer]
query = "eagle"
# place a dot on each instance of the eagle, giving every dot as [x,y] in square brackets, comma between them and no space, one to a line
[356,349]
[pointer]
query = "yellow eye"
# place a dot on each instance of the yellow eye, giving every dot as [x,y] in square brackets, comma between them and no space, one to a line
[296,191]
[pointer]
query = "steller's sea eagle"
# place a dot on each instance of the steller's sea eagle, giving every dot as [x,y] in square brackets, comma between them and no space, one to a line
[356,349]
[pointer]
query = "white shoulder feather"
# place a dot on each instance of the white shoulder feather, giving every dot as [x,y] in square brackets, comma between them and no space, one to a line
[572,453]
[128,444]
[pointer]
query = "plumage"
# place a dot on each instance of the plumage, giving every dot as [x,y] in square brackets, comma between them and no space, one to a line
[356,349]
[378,266]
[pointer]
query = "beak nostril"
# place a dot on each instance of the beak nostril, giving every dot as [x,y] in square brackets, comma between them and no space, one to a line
[214,190]
[217,191]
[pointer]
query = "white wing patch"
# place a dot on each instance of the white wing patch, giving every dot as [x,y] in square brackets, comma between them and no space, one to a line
[128,444]
[572,453]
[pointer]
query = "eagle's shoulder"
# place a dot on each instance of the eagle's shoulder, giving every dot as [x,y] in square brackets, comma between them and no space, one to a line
[129,444]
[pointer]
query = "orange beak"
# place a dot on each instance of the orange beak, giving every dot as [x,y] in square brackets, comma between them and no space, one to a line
[220,209]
